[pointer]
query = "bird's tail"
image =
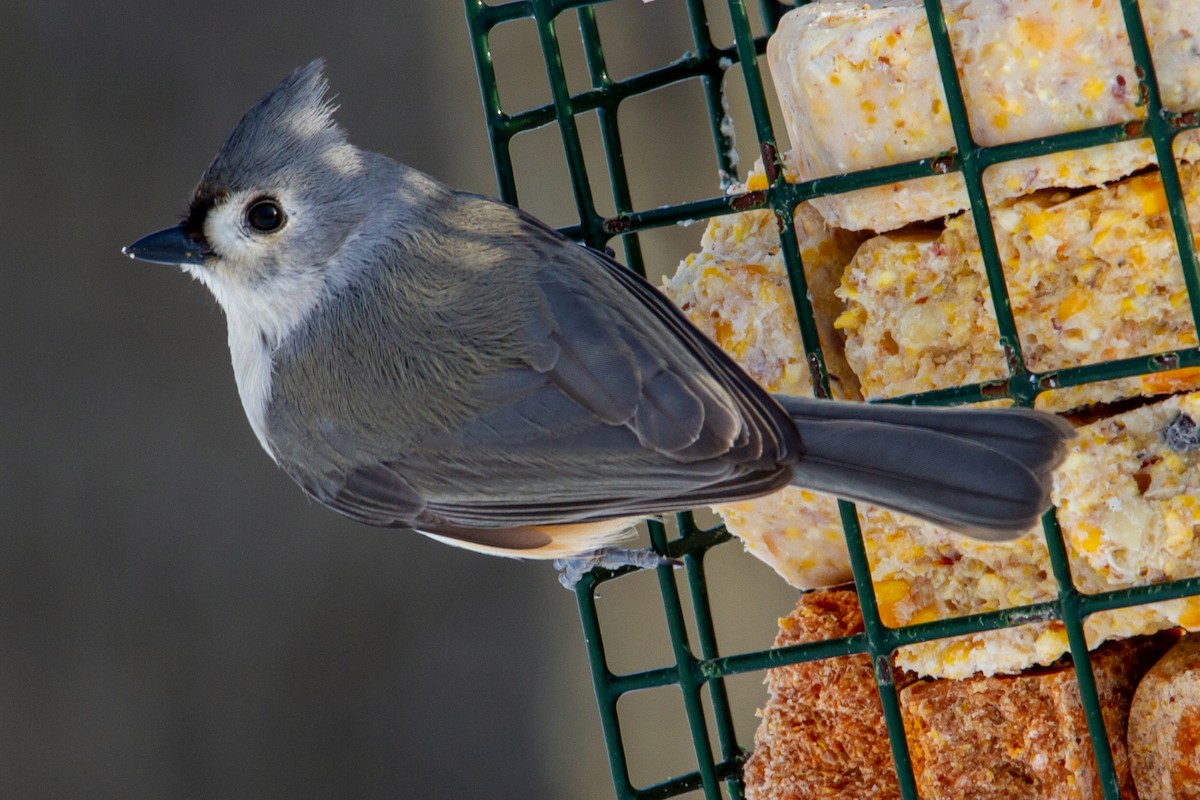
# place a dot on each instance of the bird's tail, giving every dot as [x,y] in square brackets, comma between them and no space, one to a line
[983,472]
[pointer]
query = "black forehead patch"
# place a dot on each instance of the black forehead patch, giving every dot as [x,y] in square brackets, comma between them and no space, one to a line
[202,202]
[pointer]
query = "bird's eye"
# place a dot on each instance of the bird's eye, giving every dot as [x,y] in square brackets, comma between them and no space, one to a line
[265,215]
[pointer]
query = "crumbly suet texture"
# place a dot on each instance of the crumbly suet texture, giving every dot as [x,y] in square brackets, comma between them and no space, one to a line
[859,87]
[919,317]
[1129,510]
[1091,277]
[735,289]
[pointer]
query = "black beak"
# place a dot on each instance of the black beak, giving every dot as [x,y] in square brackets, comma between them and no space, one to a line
[173,246]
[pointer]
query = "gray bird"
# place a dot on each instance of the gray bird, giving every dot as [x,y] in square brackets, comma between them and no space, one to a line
[414,356]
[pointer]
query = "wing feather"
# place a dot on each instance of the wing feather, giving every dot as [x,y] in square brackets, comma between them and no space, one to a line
[618,408]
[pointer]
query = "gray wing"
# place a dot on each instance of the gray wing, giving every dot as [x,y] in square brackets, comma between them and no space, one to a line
[620,408]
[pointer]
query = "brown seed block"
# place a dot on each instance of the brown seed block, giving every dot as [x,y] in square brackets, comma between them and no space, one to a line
[822,732]
[1164,726]
[1023,736]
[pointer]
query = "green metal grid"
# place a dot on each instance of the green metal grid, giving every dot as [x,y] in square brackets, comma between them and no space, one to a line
[699,666]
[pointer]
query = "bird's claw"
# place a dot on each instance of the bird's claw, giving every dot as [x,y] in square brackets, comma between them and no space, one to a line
[570,570]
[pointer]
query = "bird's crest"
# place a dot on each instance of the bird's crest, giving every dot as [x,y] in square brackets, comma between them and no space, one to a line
[292,125]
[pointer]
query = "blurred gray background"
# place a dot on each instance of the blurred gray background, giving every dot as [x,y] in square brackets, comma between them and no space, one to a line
[176,620]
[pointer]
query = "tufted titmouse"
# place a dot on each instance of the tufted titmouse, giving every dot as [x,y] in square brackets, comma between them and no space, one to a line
[414,356]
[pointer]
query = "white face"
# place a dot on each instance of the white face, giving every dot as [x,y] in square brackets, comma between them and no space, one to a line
[258,270]
[246,231]
[251,230]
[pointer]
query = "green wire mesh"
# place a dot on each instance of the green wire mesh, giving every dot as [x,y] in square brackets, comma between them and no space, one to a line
[699,667]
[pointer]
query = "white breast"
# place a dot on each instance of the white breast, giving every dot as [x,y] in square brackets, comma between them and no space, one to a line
[252,372]
[263,306]
[259,318]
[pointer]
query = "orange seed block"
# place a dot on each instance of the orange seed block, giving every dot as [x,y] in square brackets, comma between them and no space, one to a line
[1022,736]
[822,733]
[1164,726]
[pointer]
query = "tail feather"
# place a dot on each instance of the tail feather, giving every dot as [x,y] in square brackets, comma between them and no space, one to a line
[983,472]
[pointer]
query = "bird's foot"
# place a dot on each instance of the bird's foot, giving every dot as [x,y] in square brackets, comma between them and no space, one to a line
[570,570]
